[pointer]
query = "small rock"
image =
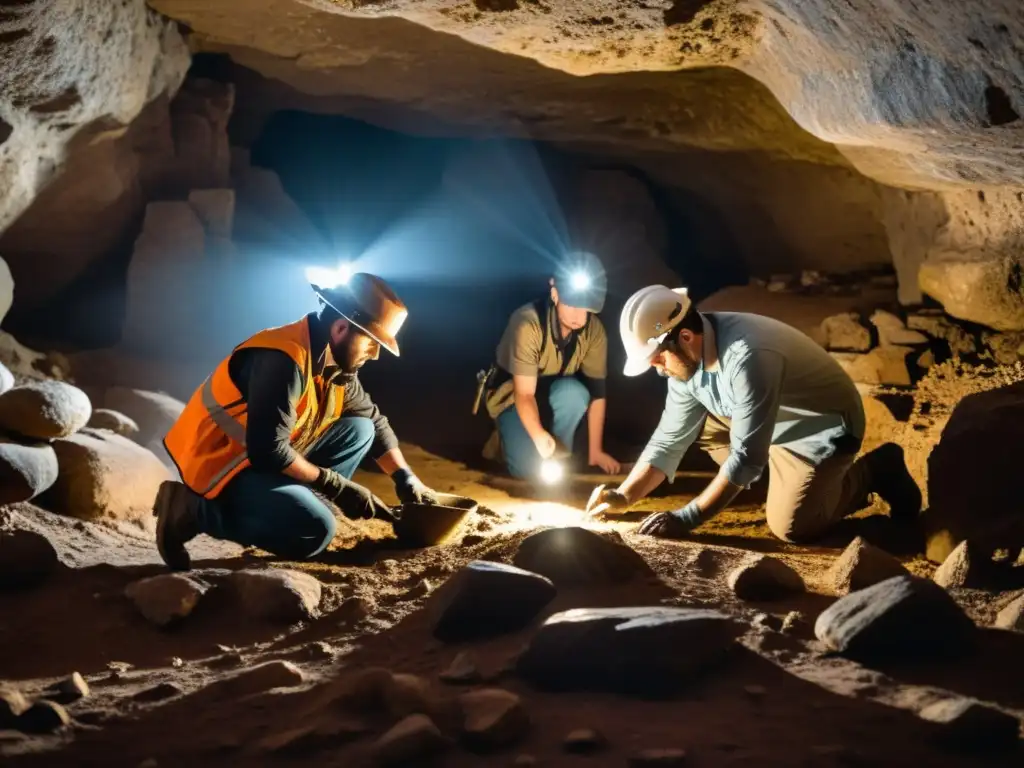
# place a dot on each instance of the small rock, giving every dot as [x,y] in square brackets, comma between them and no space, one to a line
[1012,616]
[632,649]
[844,332]
[862,565]
[104,418]
[791,622]
[812,278]
[901,617]
[354,610]
[411,741]
[657,758]
[767,621]
[764,578]
[422,588]
[485,599]
[882,365]
[492,718]
[26,559]
[12,704]
[404,695]
[462,670]
[264,677]
[893,332]
[44,410]
[972,726]
[43,717]
[165,599]
[583,741]
[472,539]
[956,570]
[26,470]
[177,662]
[224,661]
[72,688]
[926,359]
[159,692]
[577,556]
[278,595]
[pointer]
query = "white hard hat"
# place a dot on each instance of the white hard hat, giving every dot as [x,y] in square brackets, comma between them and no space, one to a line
[646,320]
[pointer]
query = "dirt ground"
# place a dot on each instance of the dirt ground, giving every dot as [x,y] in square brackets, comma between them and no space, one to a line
[782,700]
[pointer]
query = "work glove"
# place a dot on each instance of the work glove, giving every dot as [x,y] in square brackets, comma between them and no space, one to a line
[546,445]
[354,500]
[671,525]
[605,500]
[411,490]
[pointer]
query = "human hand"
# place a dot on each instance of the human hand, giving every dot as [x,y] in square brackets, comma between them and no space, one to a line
[605,461]
[355,500]
[411,490]
[546,445]
[605,500]
[671,525]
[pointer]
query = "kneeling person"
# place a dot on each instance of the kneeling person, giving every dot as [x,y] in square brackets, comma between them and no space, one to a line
[753,393]
[282,416]
[556,346]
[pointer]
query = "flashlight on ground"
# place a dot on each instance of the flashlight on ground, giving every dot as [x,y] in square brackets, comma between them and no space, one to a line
[551,471]
[327,277]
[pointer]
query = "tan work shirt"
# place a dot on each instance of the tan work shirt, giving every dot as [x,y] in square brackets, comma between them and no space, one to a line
[520,353]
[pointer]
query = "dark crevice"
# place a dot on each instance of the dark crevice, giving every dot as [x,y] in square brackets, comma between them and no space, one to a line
[998,106]
[5,131]
[60,103]
[683,11]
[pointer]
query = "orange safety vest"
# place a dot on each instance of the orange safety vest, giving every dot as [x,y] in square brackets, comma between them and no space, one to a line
[207,442]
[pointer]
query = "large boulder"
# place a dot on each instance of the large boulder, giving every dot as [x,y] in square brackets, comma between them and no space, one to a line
[104,475]
[577,556]
[977,443]
[26,470]
[982,287]
[763,577]
[900,618]
[104,418]
[153,412]
[486,598]
[44,409]
[643,650]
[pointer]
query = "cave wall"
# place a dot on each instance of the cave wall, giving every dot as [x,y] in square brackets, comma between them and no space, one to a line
[74,71]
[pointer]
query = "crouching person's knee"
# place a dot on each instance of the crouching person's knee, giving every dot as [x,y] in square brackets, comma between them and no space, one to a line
[314,533]
[794,525]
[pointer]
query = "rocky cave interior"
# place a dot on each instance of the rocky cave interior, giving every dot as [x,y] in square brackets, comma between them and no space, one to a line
[169,168]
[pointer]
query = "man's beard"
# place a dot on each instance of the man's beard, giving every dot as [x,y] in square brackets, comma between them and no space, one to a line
[345,358]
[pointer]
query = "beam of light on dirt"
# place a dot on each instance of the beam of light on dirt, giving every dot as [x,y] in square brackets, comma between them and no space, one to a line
[550,514]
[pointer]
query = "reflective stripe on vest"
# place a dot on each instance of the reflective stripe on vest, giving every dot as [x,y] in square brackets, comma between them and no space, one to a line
[229,426]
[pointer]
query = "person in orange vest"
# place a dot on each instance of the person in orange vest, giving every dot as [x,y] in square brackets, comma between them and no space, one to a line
[280,417]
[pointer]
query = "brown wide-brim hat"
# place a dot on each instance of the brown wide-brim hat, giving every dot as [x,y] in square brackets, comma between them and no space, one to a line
[370,305]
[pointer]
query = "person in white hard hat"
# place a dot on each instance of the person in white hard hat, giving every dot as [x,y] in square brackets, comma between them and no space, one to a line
[753,393]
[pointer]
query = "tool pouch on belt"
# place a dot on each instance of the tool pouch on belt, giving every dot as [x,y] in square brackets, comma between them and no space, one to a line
[483,380]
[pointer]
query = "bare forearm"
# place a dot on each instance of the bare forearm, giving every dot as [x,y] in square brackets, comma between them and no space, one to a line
[595,425]
[643,479]
[529,414]
[392,461]
[718,494]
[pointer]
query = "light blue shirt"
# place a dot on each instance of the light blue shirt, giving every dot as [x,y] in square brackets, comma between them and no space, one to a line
[775,384]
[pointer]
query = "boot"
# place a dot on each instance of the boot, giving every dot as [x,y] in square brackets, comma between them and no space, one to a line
[177,521]
[889,478]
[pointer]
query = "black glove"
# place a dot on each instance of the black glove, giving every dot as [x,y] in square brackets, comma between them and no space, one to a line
[671,525]
[411,490]
[355,500]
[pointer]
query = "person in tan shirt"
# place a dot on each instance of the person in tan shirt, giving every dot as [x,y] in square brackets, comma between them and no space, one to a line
[553,349]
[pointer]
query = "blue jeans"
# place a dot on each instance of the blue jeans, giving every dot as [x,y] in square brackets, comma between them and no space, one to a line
[279,515]
[569,400]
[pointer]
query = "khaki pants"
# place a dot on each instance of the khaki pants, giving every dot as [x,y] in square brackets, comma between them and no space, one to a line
[803,500]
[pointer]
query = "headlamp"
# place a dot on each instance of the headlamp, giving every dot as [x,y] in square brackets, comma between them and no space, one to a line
[326,277]
[579,280]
